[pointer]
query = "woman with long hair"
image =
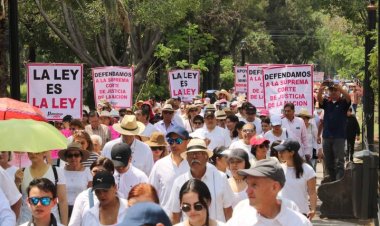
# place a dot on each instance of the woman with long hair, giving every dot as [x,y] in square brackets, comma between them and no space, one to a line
[231,122]
[195,199]
[83,138]
[158,145]
[300,185]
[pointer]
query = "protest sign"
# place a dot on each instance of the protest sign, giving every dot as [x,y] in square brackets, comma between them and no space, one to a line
[255,88]
[241,79]
[184,84]
[56,89]
[288,83]
[114,85]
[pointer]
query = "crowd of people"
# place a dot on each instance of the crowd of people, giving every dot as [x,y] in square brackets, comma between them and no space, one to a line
[176,163]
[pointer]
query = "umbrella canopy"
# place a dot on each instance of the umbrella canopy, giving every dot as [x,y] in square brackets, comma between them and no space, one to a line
[14,109]
[26,135]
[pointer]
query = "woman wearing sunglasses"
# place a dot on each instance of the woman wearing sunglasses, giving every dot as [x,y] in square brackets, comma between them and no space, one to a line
[158,145]
[195,199]
[83,138]
[42,197]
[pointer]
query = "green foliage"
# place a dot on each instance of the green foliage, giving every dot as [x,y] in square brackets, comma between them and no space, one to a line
[227,75]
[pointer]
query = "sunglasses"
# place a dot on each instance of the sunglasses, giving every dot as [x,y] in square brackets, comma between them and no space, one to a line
[187,207]
[177,141]
[157,148]
[45,201]
[73,155]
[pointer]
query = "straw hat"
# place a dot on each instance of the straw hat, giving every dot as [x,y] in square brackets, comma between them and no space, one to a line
[195,145]
[191,106]
[167,107]
[129,126]
[304,113]
[220,114]
[225,92]
[157,139]
[74,146]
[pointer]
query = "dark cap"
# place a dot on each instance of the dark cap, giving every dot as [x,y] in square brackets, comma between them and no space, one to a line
[266,168]
[209,114]
[251,109]
[289,144]
[239,153]
[67,118]
[120,154]
[145,213]
[180,131]
[103,180]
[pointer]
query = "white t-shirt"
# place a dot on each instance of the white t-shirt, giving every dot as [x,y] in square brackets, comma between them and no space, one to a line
[91,216]
[163,174]
[7,216]
[218,136]
[240,144]
[149,129]
[160,126]
[246,215]
[295,189]
[11,171]
[131,178]
[297,129]
[257,123]
[26,214]
[9,188]
[239,196]
[142,157]
[218,223]
[221,193]
[76,182]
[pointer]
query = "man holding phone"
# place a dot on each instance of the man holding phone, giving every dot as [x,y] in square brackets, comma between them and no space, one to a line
[334,127]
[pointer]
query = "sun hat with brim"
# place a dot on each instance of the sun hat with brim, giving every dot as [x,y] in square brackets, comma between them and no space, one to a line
[304,113]
[269,168]
[257,140]
[210,107]
[288,144]
[157,139]
[191,106]
[196,145]
[275,120]
[74,146]
[129,126]
[209,113]
[167,107]
[145,213]
[103,180]
[220,114]
[198,103]
[225,92]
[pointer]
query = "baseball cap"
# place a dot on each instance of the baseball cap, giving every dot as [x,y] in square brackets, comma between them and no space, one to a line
[289,144]
[239,153]
[257,140]
[209,114]
[120,154]
[266,168]
[180,131]
[251,109]
[276,120]
[103,180]
[145,213]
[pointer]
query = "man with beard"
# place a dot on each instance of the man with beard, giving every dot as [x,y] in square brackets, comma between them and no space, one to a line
[197,156]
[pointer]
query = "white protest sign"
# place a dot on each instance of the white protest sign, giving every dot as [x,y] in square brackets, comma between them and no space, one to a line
[288,83]
[184,84]
[114,85]
[56,89]
[255,89]
[241,79]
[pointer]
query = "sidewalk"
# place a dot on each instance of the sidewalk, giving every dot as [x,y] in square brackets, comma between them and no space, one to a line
[335,222]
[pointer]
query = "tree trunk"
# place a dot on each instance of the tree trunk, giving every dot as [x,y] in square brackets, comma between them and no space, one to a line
[4,74]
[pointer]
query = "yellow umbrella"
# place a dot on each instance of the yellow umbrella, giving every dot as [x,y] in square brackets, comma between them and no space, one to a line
[26,135]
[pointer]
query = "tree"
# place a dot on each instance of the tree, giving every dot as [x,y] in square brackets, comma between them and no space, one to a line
[3,47]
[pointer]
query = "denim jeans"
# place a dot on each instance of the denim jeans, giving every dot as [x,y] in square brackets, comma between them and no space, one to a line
[333,149]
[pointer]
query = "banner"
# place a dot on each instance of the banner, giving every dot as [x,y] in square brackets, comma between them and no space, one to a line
[56,89]
[114,85]
[184,84]
[255,88]
[289,83]
[241,79]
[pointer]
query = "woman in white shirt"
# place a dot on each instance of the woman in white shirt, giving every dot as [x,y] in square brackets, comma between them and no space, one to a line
[78,177]
[111,209]
[277,132]
[300,185]
[237,160]
[195,199]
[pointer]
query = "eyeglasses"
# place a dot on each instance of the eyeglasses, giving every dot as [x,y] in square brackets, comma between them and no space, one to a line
[177,141]
[77,155]
[187,207]
[248,130]
[157,148]
[45,201]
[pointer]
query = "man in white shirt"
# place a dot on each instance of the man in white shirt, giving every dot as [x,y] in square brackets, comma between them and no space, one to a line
[248,132]
[167,121]
[142,157]
[215,134]
[265,179]
[10,191]
[143,117]
[250,117]
[197,156]
[126,175]
[296,126]
[165,170]
[7,216]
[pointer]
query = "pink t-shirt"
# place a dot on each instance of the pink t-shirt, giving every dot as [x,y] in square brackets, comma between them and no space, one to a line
[66,132]
[114,134]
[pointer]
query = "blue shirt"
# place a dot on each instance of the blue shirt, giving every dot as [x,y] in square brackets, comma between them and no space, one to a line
[335,118]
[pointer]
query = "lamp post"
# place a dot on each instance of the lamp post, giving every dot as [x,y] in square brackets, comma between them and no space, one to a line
[243,48]
[368,94]
[14,56]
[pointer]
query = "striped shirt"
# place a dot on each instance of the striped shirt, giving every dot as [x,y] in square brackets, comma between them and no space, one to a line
[92,158]
[103,131]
